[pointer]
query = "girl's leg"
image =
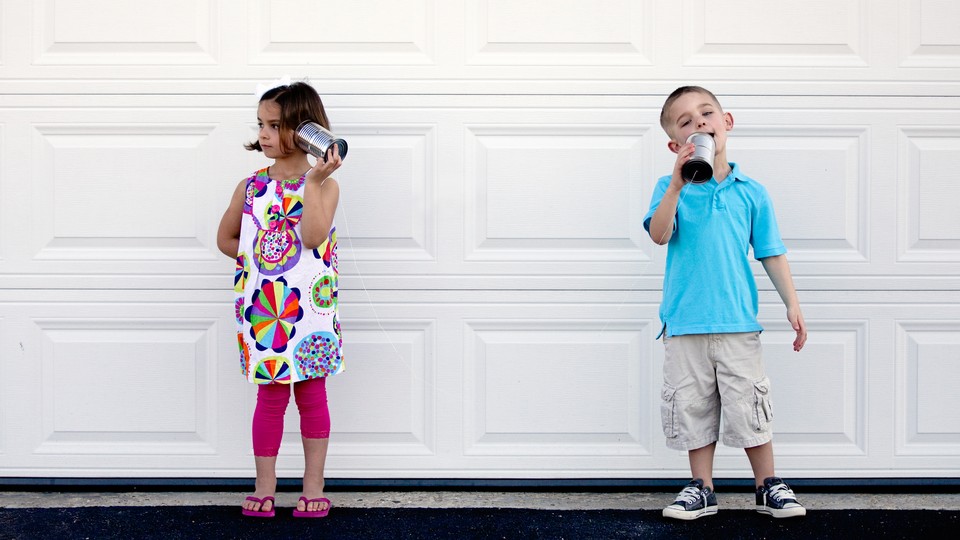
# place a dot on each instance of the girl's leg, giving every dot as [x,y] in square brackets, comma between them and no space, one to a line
[311,396]
[272,402]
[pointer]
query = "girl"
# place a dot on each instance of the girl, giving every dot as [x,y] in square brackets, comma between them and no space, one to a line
[279,227]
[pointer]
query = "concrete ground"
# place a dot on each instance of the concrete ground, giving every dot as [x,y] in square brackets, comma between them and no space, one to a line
[480,499]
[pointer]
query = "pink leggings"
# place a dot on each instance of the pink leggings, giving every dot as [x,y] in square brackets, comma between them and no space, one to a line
[272,399]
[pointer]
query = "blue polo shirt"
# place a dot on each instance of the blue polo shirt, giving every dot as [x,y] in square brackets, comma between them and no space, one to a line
[708,286]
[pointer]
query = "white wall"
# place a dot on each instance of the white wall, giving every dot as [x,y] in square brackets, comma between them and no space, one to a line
[500,317]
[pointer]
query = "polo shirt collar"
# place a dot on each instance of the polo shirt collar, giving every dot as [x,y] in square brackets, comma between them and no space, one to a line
[735,173]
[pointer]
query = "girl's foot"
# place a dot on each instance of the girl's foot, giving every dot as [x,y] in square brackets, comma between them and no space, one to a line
[314,505]
[259,505]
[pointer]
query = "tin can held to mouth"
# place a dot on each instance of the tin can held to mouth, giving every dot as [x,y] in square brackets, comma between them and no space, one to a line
[315,140]
[699,168]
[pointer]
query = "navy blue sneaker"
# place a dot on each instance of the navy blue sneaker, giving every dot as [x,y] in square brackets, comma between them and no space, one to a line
[694,501]
[777,499]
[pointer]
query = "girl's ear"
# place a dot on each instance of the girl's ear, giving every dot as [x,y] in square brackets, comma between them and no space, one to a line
[674,146]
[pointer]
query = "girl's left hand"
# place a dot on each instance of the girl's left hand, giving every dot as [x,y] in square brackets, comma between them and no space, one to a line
[323,169]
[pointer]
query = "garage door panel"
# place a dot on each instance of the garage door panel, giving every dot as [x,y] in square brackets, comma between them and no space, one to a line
[555,387]
[929,230]
[95,32]
[928,366]
[927,34]
[819,395]
[618,32]
[388,190]
[823,170]
[745,33]
[89,172]
[378,32]
[540,194]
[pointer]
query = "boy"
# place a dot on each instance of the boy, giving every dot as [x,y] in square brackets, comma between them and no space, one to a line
[711,335]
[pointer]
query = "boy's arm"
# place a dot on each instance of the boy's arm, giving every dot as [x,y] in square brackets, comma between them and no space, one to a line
[778,269]
[661,223]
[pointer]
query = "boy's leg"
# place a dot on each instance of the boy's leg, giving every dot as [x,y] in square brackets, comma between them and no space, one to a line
[761,461]
[701,464]
[774,496]
[690,413]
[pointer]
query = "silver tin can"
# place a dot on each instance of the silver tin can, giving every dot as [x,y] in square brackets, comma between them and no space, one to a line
[699,168]
[315,140]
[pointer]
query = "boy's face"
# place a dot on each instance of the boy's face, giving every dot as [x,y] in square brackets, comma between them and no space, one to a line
[693,112]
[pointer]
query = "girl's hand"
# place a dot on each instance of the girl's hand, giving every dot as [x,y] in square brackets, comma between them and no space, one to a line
[323,169]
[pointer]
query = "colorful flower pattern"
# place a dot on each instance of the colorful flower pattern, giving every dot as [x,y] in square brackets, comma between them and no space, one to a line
[276,251]
[327,252]
[241,273]
[273,370]
[323,293]
[280,340]
[273,312]
[244,354]
[317,355]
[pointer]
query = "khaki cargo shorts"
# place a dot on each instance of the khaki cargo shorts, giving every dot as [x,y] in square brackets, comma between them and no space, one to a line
[705,375]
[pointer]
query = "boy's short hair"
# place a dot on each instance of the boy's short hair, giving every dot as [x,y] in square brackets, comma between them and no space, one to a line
[675,95]
[298,103]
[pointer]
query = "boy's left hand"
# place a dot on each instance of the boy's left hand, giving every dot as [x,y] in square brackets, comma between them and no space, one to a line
[796,321]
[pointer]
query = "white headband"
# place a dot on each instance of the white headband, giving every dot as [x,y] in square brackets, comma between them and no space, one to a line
[263,88]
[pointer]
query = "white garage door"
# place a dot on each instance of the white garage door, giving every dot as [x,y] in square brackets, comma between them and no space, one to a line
[499,293]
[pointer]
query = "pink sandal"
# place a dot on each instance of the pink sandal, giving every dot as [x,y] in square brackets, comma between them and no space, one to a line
[262,513]
[313,513]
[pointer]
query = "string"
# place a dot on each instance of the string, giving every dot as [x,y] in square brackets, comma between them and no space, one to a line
[342,207]
[641,275]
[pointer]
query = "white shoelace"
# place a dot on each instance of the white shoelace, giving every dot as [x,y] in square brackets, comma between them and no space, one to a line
[780,492]
[690,494]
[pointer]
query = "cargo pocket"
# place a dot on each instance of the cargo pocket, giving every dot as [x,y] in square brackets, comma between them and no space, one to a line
[763,409]
[668,409]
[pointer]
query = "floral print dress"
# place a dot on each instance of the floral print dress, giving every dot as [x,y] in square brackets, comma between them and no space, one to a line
[286,306]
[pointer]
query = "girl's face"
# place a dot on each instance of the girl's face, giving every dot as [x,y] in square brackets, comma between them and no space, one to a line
[275,144]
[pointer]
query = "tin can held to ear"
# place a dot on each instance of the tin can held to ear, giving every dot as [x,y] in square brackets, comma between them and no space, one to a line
[699,168]
[315,140]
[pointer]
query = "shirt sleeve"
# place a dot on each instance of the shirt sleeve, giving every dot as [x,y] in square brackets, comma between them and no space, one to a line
[658,192]
[765,235]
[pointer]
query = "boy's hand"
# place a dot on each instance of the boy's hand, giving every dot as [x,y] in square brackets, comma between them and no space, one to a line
[684,153]
[796,321]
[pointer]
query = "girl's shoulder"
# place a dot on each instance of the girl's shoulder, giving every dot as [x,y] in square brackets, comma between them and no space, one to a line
[261,174]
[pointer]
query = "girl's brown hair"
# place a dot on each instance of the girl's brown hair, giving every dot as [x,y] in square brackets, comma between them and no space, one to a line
[298,103]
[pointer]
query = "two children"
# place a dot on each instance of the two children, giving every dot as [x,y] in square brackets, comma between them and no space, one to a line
[279,227]
[713,359]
